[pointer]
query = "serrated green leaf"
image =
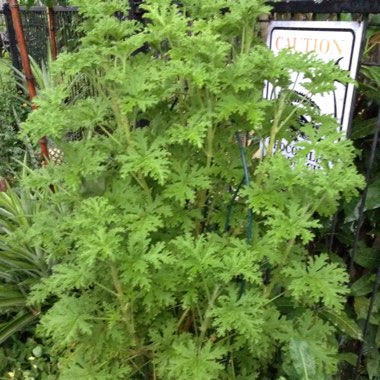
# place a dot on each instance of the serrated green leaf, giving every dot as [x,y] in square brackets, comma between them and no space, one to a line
[317,280]
[67,320]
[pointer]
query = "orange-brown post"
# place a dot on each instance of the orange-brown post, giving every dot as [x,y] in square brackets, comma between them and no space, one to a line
[52,38]
[20,36]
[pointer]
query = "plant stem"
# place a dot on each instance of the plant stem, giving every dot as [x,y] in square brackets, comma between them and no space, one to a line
[206,288]
[206,319]
[209,157]
[154,371]
[106,289]
[268,290]
[243,39]
[276,124]
[274,298]
[210,133]
[125,306]
[121,119]
[183,316]
[143,184]
[210,146]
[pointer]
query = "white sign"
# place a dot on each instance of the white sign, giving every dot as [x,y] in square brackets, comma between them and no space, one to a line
[338,41]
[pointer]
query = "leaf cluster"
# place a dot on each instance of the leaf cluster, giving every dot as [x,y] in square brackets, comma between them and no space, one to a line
[154,275]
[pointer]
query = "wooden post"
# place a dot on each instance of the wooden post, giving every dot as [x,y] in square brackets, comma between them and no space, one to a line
[20,36]
[52,37]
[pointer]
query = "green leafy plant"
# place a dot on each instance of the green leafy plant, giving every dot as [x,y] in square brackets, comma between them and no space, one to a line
[21,264]
[12,110]
[365,251]
[166,266]
[27,360]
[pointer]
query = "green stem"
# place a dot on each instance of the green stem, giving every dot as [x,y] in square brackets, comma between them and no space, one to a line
[210,146]
[106,289]
[206,288]
[268,290]
[209,157]
[125,306]
[233,367]
[248,38]
[183,316]
[200,315]
[210,133]
[276,125]
[154,371]
[121,119]
[274,298]
[143,184]
[243,39]
[206,319]
[110,135]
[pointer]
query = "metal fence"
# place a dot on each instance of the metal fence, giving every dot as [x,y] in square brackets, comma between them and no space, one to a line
[326,6]
[36,30]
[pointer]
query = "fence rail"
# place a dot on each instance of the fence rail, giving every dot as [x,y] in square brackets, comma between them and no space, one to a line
[326,6]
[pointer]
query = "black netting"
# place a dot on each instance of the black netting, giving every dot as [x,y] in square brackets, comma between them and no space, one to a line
[67,35]
[36,31]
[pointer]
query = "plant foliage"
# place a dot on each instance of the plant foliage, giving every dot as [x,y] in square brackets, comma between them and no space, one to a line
[157,275]
[12,110]
[358,234]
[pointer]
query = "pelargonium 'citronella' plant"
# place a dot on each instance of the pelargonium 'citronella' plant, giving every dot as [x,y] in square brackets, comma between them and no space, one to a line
[156,277]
